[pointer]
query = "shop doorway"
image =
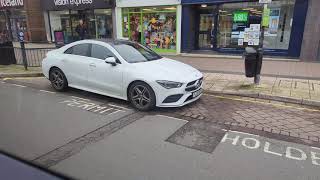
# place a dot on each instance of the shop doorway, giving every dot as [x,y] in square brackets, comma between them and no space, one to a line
[207,28]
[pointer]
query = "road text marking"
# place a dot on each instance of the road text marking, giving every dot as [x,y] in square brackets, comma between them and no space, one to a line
[292,153]
[86,104]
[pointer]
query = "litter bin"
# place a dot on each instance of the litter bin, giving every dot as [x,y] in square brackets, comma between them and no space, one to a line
[250,61]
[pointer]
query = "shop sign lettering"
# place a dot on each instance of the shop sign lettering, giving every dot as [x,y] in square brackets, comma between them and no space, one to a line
[72,2]
[11,3]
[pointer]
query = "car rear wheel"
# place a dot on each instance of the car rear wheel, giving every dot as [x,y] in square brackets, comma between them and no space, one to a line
[58,79]
[142,96]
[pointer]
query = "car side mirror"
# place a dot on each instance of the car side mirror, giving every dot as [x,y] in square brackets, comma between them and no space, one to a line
[111,60]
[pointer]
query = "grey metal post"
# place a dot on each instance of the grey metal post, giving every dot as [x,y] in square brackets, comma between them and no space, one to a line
[257,76]
[24,56]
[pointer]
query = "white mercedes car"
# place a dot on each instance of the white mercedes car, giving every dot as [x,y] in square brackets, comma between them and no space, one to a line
[124,70]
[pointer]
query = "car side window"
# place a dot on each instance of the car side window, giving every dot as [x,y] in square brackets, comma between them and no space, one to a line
[69,51]
[100,52]
[80,50]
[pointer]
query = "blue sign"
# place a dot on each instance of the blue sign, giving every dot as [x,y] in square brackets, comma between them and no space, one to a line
[21,36]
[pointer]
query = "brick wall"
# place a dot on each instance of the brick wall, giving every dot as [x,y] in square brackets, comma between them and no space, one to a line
[311,37]
[35,21]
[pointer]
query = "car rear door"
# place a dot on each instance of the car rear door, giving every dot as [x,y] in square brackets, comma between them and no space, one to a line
[76,65]
[104,77]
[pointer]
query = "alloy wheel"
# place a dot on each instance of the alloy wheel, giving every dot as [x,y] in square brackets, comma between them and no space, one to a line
[140,96]
[57,79]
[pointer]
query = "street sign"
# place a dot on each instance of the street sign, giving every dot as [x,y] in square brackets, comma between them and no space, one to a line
[265,1]
[21,36]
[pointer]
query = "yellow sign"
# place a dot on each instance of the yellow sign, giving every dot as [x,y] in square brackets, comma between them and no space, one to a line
[266,16]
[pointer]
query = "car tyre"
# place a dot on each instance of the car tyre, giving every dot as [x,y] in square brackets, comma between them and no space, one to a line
[58,79]
[142,96]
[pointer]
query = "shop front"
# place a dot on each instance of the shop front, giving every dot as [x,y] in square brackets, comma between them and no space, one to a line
[153,24]
[71,20]
[15,18]
[224,26]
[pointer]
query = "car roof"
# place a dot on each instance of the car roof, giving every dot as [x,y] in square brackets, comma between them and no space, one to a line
[114,41]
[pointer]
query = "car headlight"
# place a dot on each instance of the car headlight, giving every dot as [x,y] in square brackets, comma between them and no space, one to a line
[169,84]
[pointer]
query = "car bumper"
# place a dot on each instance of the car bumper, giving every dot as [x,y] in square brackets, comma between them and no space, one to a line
[179,104]
[186,97]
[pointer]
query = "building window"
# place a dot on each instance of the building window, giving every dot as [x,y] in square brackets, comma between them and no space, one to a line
[97,23]
[60,21]
[103,22]
[154,27]
[4,33]
[277,36]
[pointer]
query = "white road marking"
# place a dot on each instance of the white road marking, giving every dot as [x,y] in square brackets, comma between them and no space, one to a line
[80,98]
[18,85]
[118,106]
[48,91]
[172,118]
[86,104]
[286,151]
[115,112]
[224,130]
[315,148]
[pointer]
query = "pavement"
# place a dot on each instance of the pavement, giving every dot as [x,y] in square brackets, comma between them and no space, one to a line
[19,71]
[272,68]
[89,136]
[299,91]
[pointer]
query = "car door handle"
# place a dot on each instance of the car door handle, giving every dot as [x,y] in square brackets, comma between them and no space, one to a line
[92,65]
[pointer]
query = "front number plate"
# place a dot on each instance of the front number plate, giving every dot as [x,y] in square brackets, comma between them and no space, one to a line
[197,93]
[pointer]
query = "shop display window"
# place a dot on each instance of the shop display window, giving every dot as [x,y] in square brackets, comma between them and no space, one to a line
[103,23]
[277,35]
[154,27]
[97,23]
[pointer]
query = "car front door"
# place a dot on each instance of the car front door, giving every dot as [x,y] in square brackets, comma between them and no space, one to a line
[75,65]
[104,77]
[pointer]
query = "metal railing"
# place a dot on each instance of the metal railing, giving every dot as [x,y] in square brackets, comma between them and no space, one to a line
[34,56]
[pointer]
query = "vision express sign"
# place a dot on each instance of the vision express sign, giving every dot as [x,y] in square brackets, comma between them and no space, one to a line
[10,3]
[75,4]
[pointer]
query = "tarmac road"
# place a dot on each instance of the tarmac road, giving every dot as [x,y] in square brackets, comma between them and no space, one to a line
[88,136]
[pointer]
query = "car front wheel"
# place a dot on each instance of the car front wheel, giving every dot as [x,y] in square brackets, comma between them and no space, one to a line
[142,97]
[58,79]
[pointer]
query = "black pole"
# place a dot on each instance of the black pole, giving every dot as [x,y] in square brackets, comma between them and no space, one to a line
[24,56]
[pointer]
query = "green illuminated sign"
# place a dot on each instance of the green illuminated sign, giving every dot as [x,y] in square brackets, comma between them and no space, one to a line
[240,16]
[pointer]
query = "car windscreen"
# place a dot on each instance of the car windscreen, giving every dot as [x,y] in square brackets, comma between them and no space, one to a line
[135,53]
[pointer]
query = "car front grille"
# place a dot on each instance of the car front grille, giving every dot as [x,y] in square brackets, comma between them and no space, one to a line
[193,85]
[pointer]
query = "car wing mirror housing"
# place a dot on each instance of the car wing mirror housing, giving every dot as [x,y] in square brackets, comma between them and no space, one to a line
[111,60]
